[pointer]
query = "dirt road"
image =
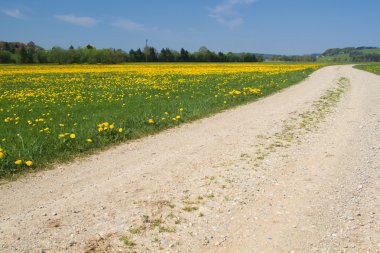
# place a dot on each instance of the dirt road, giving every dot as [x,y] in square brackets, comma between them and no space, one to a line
[298,171]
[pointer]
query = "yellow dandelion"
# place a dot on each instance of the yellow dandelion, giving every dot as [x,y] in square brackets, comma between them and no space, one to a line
[120,130]
[18,162]
[151,121]
[1,155]
[72,136]
[29,163]
[89,140]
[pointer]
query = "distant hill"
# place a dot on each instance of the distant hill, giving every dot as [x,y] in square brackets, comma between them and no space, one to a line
[351,54]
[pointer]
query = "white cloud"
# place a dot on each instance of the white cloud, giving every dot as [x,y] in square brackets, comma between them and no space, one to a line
[75,20]
[128,25]
[227,14]
[16,13]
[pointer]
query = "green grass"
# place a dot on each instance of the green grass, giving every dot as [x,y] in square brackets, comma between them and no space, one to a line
[189,208]
[371,67]
[371,51]
[127,241]
[138,229]
[40,111]
[335,58]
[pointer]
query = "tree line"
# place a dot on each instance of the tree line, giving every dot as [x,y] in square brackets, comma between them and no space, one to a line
[294,58]
[30,53]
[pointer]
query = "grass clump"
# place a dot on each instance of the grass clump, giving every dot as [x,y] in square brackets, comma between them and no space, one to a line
[127,241]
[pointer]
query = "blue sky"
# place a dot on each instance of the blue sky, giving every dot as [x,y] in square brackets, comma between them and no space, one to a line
[263,26]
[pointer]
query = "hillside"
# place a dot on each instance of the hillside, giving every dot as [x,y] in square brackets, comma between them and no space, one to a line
[351,54]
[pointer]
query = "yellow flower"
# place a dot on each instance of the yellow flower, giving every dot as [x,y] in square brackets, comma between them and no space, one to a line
[61,125]
[60,136]
[178,117]
[89,140]
[120,130]
[29,163]
[72,136]
[1,155]
[112,126]
[18,162]
[151,121]
[100,129]
[180,109]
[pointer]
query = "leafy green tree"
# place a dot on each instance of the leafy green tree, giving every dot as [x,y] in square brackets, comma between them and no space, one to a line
[5,57]
[57,55]
[184,55]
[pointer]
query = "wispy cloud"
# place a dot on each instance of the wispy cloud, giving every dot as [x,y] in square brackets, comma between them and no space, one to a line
[129,25]
[227,13]
[15,13]
[76,20]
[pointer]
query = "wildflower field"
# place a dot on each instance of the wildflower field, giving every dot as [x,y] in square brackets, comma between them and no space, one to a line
[49,113]
[372,67]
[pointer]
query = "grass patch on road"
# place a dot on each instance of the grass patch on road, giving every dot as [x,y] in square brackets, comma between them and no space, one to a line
[301,123]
